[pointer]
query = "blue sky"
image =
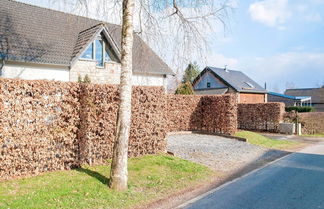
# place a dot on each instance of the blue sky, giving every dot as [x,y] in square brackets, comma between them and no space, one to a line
[280,42]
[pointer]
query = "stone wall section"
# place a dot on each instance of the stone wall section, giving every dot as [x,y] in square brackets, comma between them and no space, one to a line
[109,74]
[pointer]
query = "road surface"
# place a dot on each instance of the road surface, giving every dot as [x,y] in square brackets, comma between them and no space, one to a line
[293,182]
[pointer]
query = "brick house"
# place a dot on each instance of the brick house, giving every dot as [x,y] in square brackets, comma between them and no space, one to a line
[223,81]
[48,44]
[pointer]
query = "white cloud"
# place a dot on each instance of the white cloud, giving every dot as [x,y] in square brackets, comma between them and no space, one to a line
[303,69]
[316,17]
[301,7]
[317,1]
[273,13]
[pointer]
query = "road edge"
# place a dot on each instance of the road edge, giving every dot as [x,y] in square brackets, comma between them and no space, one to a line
[181,206]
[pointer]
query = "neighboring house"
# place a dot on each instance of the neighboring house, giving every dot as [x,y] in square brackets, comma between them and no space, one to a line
[39,43]
[317,95]
[222,81]
[289,100]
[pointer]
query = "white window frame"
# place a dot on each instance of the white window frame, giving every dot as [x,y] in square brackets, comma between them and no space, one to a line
[103,51]
[94,53]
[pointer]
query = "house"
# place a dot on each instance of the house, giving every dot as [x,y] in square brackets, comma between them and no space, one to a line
[39,43]
[289,100]
[222,81]
[317,95]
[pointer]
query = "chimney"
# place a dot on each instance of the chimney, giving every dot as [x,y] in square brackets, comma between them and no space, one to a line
[265,85]
[226,70]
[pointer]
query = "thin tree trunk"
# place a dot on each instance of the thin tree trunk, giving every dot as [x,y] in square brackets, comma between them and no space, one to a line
[119,173]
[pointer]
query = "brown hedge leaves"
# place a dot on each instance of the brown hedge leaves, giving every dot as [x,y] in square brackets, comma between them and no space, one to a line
[217,114]
[39,123]
[47,125]
[260,116]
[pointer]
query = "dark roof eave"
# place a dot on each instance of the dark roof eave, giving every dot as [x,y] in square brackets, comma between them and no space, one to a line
[39,62]
[251,91]
[204,89]
[154,73]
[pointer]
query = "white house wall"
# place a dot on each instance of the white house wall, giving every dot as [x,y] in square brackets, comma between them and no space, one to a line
[35,72]
[149,80]
[110,74]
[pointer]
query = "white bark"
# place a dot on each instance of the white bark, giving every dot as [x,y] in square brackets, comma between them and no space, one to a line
[119,173]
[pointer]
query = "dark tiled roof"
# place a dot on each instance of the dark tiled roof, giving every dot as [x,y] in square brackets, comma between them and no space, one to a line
[317,94]
[237,80]
[34,34]
[84,37]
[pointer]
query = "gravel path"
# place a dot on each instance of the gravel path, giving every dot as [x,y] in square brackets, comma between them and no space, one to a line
[219,153]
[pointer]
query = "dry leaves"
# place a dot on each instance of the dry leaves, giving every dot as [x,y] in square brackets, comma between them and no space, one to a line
[260,116]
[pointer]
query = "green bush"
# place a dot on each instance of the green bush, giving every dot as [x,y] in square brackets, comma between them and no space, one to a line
[185,89]
[300,109]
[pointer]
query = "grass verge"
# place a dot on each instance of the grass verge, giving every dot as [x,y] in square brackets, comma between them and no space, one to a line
[150,178]
[314,135]
[258,139]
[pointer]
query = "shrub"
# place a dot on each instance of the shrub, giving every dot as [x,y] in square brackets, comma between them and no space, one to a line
[300,109]
[86,79]
[185,89]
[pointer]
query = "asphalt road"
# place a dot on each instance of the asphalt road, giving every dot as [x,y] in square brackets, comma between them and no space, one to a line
[293,182]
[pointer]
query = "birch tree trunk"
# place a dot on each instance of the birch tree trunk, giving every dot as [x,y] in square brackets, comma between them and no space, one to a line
[119,173]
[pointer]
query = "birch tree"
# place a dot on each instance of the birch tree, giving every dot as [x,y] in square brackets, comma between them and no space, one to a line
[176,28]
[119,173]
[190,35]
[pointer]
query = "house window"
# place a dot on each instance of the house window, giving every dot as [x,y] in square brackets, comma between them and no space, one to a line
[99,53]
[107,53]
[208,84]
[88,54]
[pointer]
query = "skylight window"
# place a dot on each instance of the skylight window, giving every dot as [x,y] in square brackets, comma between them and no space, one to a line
[249,84]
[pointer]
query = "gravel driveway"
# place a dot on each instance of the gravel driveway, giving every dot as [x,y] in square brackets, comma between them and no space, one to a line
[219,153]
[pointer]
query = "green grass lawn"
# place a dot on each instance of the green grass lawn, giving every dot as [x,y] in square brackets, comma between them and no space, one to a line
[150,177]
[258,139]
[314,135]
